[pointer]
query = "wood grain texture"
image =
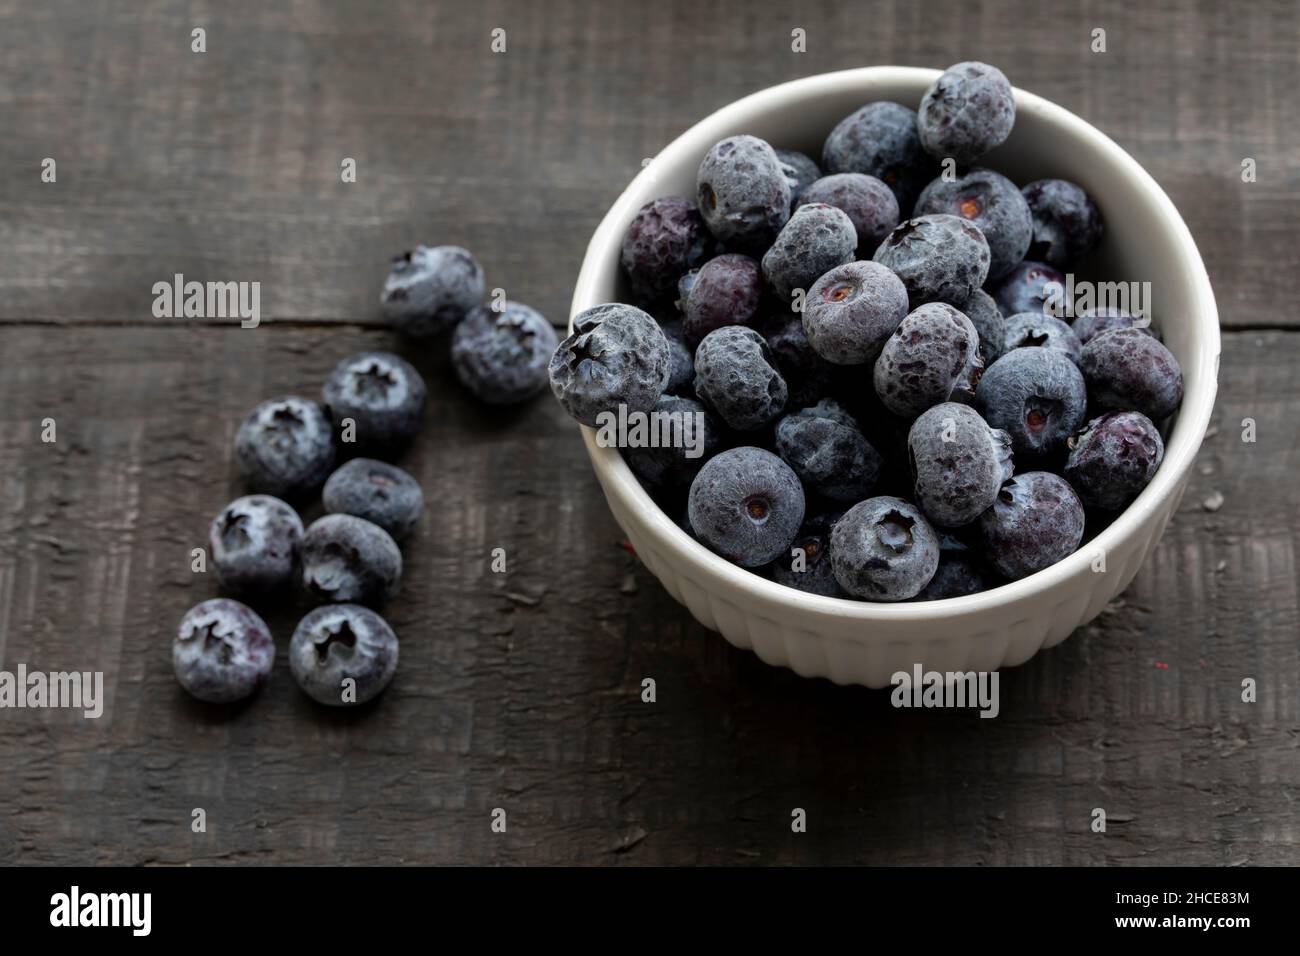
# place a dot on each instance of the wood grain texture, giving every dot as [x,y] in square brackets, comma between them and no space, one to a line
[522,690]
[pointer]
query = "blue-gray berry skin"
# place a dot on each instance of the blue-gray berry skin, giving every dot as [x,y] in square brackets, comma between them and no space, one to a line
[742,193]
[810,571]
[343,655]
[1129,370]
[800,171]
[617,355]
[990,201]
[381,493]
[1113,459]
[666,239]
[746,505]
[832,459]
[807,375]
[1067,223]
[502,357]
[736,376]
[725,291]
[817,238]
[1090,323]
[223,651]
[350,559]
[960,572]
[1035,395]
[1036,521]
[932,357]
[883,549]
[285,447]
[681,361]
[939,258]
[958,463]
[1034,329]
[990,324]
[868,202]
[851,311]
[881,140]
[383,395]
[676,464]
[429,290]
[254,544]
[966,112]
[1024,288]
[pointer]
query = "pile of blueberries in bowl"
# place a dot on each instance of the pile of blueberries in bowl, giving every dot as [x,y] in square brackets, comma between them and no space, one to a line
[897,404]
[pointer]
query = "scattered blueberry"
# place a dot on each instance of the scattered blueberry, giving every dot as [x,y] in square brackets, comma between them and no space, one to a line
[1090,323]
[381,493]
[285,447]
[617,355]
[1024,288]
[254,544]
[1067,223]
[1113,459]
[1129,370]
[742,193]
[990,201]
[851,312]
[958,463]
[966,112]
[725,291]
[881,140]
[502,357]
[429,290]
[868,202]
[343,654]
[799,171]
[223,651]
[1036,395]
[939,258]
[1030,329]
[884,550]
[990,324]
[816,239]
[747,505]
[810,570]
[831,457]
[346,558]
[736,375]
[666,239]
[383,395]
[675,464]
[932,357]
[1036,521]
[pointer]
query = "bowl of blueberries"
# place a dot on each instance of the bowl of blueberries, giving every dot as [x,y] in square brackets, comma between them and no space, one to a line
[892,366]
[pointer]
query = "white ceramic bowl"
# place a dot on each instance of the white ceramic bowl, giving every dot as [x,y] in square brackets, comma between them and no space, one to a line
[853,642]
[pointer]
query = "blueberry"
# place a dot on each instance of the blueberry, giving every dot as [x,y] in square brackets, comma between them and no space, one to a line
[960,573]
[807,375]
[939,258]
[746,504]
[681,360]
[869,203]
[1036,521]
[223,651]
[342,643]
[883,550]
[1024,288]
[742,193]
[1036,395]
[254,543]
[958,463]
[881,140]
[966,112]
[381,493]
[346,558]
[285,447]
[990,324]
[851,312]
[990,201]
[383,395]
[1129,370]
[502,357]
[429,290]
[1113,459]
[725,291]
[815,240]
[735,375]
[831,456]
[932,357]
[617,355]
[1030,329]
[799,171]
[666,238]
[810,570]
[675,464]
[1092,322]
[1067,223]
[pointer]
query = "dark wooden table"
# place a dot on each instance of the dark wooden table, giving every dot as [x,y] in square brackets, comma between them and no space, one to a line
[521,691]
